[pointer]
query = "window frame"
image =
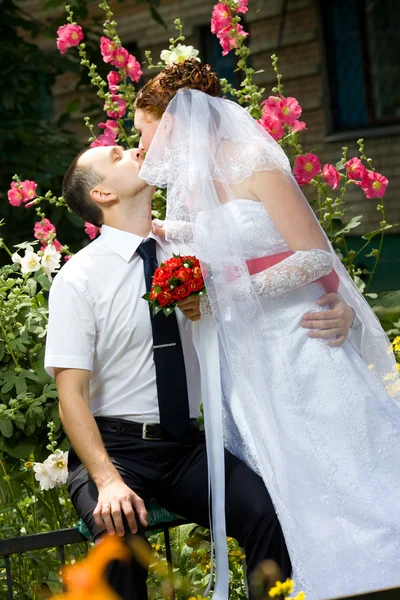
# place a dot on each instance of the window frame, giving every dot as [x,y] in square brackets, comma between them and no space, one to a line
[375,126]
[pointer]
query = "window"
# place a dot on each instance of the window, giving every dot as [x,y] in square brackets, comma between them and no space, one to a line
[211,53]
[362,45]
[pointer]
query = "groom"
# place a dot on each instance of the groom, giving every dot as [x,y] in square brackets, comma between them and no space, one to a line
[129,385]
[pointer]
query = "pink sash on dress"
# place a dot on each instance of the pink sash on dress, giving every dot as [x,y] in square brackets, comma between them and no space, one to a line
[256,265]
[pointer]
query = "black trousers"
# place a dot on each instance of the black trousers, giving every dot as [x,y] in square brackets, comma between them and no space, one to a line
[175,474]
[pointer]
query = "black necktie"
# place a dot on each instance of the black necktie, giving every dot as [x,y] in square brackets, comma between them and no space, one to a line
[168,356]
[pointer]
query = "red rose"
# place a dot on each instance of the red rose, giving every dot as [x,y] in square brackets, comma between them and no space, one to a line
[184,274]
[196,285]
[153,295]
[161,276]
[197,274]
[173,263]
[181,292]
[165,298]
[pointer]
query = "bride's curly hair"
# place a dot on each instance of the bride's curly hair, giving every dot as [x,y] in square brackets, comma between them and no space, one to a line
[155,96]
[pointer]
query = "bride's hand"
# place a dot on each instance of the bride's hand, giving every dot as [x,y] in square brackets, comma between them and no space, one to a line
[157,227]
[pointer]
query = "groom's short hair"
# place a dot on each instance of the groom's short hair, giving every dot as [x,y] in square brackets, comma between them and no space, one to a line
[77,184]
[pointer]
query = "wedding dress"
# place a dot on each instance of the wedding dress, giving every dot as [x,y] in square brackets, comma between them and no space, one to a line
[332,465]
[316,422]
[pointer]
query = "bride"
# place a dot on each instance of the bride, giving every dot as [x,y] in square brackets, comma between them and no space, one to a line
[315,421]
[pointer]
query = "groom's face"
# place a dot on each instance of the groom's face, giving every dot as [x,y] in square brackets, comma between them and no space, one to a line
[146,126]
[118,168]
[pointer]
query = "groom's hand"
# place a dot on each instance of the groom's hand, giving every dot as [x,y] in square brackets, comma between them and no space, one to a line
[191,308]
[115,500]
[333,324]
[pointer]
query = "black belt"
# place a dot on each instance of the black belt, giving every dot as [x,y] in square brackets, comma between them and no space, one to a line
[147,431]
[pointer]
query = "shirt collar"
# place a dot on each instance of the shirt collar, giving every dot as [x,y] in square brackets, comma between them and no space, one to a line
[122,242]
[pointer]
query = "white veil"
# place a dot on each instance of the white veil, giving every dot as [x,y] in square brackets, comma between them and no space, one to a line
[203,149]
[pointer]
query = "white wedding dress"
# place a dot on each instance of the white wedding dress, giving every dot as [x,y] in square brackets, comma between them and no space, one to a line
[314,421]
[331,461]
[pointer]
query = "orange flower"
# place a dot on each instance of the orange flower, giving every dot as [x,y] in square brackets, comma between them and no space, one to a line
[86,580]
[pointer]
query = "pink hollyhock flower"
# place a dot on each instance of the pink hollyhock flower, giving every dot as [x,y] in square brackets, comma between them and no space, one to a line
[43,229]
[298,126]
[107,48]
[104,139]
[21,191]
[15,195]
[271,103]
[30,204]
[355,169]
[273,125]
[57,245]
[220,18]
[227,38]
[91,230]
[68,36]
[119,111]
[28,190]
[113,79]
[133,69]
[242,6]
[373,184]
[288,109]
[110,127]
[120,58]
[331,176]
[306,167]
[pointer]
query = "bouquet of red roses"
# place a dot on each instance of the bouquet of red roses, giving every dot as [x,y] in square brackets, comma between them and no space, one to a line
[173,281]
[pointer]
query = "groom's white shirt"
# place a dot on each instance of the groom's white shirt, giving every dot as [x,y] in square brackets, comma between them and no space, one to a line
[98,321]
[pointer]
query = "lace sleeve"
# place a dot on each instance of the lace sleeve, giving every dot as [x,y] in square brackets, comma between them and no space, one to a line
[177,230]
[302,267]
[205,306]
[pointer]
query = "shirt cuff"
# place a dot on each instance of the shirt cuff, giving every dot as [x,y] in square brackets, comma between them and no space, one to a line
[54,361]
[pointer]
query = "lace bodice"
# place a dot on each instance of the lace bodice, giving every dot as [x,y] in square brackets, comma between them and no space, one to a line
[258,234]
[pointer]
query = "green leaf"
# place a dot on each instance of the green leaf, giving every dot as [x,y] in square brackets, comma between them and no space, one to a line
[23,448]
[54,583]
[32,286]
[340,165]
[146,296]
[43,280]
[9,378]
[6,427]
[2,350]
[372,234]
[29,374]
[352,224]
[389,300]
[20,385]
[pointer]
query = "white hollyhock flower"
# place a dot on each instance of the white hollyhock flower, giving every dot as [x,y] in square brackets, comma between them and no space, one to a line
[16,258]
[30,262]
[56,465]
[179,54]
[42,475]
[50,260]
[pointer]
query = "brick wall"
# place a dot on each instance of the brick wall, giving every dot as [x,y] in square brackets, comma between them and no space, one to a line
[301,62]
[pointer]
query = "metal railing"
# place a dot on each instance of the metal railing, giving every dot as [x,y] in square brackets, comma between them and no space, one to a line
[65,537]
